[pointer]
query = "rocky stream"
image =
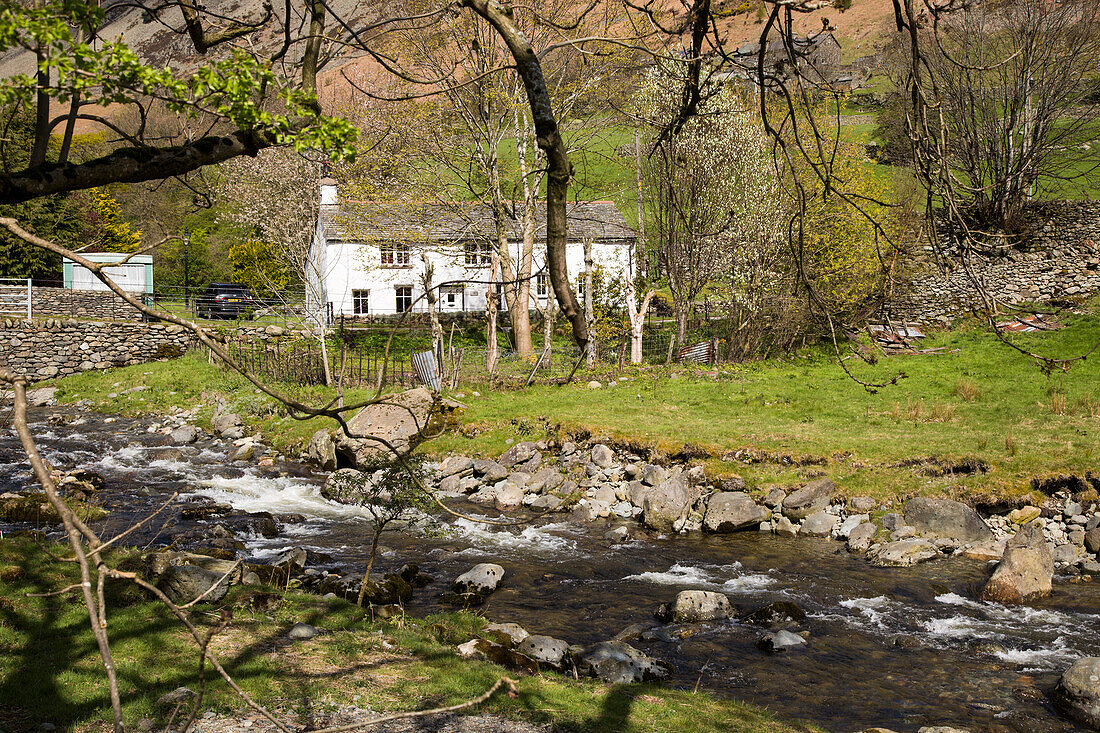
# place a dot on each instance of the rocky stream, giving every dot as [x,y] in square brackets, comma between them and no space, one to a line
[881,643]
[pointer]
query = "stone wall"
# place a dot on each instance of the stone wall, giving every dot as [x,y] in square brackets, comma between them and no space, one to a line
[1058,257]
[64,303]
[58,347]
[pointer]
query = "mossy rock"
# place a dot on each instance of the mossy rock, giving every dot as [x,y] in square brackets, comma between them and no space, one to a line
[36,508]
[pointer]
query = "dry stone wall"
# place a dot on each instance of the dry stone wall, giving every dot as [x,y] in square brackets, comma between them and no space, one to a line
[1057,258]
[57,347]
[64,303]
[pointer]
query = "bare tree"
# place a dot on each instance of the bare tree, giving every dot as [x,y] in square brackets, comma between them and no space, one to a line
[275,198]
[1007,86]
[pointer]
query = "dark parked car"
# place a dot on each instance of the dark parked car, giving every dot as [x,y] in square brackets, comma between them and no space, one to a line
[225,300]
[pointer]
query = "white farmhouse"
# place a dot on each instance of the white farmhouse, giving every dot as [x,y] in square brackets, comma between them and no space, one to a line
[367,257]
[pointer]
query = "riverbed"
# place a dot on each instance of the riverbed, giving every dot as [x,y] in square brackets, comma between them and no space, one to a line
[899,648]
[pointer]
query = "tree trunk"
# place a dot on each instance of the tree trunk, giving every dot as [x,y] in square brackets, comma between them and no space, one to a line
[589,310]
[433,312]
[559,170]
[491,305]
[637,321]
[370,566]
[681,322]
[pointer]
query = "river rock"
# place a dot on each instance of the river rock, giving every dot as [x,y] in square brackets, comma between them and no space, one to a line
[456,466]
[346,486]
[1092,540]
[489,471]
[818,524]
[860,538]
[729,511]
[508,496]
[226,422]
[665,504]
[508,634]
[184,435]
[780,641]
[810,499]
[517,454]
[321,450]
[1077,693]
[775,614]
[481,579]
[1024,514]
[176,697]
[500,654]
[618,663]
[693,606]
[942,729]
[850,523]
[301,631]
[547,502]
[245,452]
[1025,570]
[654,475]
[784,526]
[184,583]
[602,456]
[1066,554]
[545,650]
[862,504]
[774,498]
[946,518]
[903,553]
[544,480]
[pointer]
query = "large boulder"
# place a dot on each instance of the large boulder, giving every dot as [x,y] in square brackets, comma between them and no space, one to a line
[729,511]
[482,579]
[903,553]
[946,518]
[665,504]
[618,663]
[184,583]
[693,606]
[810,499]
[402,420]
[1025,570]
[1077,694]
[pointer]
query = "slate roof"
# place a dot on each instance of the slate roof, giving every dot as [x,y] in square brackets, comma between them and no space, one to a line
[459,221]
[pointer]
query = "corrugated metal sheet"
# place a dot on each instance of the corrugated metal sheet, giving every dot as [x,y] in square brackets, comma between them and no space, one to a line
[1030,323]
[702,352]
[427,371]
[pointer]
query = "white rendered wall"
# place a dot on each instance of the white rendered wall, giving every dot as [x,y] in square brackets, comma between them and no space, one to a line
[349,266]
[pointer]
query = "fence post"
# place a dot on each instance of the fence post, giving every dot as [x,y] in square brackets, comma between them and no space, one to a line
[29,299]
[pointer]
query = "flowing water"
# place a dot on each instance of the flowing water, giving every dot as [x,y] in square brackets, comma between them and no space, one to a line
[899,648]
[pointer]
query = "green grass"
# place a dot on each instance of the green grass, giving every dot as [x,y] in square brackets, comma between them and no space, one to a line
[982,400]
[50,669]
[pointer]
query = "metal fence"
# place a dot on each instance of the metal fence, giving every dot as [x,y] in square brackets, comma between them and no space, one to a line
[15,298]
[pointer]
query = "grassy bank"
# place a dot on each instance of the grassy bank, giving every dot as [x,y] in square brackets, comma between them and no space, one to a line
[50,669]
[974,399]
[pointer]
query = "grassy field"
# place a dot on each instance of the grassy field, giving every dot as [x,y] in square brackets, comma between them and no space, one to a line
[50,670]
[975,399]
